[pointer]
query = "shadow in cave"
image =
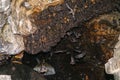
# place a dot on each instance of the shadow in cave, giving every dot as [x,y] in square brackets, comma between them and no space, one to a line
[88,51]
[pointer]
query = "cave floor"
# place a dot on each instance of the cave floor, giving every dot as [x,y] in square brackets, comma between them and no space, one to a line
[81,70]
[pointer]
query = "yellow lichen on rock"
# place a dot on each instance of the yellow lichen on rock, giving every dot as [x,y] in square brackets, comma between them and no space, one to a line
[40,5]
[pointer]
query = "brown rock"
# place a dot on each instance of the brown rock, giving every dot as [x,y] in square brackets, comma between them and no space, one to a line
[53,23]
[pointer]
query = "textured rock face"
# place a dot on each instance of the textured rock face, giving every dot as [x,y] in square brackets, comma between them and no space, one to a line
[113,64]
[4,7]
[15,22]
[104,31]
[24,27]
[53,23]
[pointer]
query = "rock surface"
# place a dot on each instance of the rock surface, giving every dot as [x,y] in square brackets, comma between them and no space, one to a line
[53,23]
[27,28]
[20,72]
[15,22]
